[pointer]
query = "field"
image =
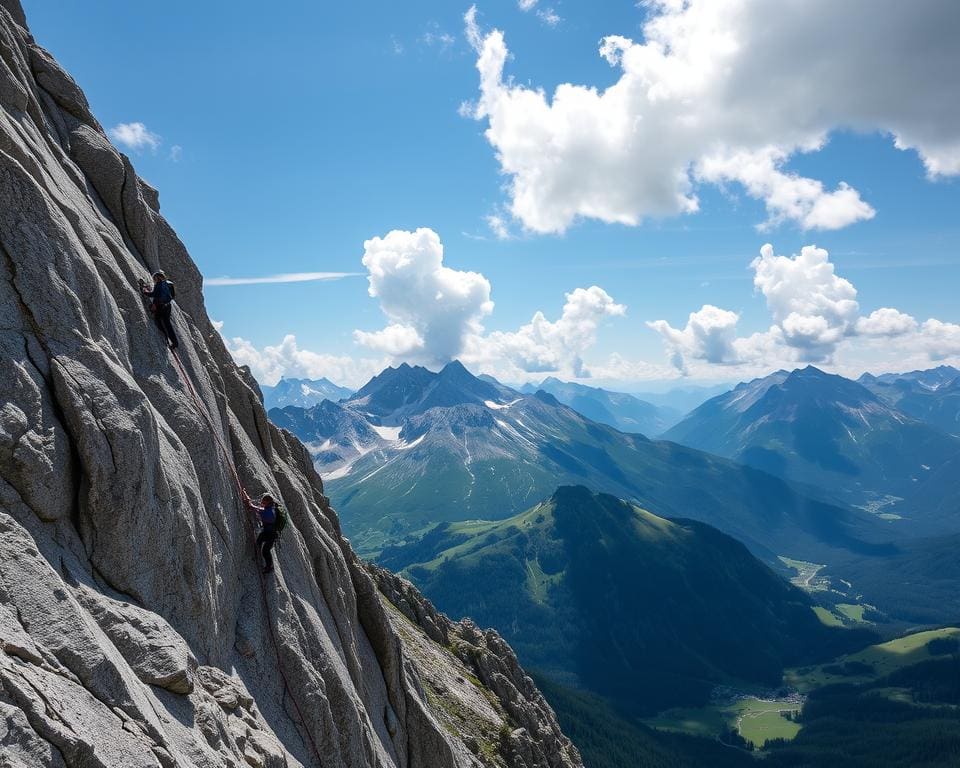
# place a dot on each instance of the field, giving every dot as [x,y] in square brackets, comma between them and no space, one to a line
[827,617]
[853,612]
[756,719]
[842,614]
[761,720]
[880,660]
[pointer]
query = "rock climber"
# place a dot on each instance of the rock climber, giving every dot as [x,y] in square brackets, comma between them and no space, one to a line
[267,512]
[163,293]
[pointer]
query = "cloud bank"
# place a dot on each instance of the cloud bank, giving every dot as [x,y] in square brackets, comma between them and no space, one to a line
[271,363]
[813,311]
[434,314]
[720,92]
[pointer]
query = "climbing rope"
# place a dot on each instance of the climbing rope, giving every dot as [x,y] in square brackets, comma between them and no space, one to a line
[263,586]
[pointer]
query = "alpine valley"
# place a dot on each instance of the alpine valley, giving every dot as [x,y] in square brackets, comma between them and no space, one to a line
[661,593]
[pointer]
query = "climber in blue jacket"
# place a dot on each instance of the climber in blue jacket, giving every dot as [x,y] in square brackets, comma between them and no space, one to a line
[163,294]
[267,511]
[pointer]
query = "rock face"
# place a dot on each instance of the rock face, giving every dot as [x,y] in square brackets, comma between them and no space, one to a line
[134,626]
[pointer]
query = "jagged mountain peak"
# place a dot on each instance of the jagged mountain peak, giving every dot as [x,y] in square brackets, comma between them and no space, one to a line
[545,397]
[827,389]
[399,393]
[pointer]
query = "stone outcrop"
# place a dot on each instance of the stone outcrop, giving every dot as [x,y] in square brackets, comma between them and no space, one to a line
[135,629]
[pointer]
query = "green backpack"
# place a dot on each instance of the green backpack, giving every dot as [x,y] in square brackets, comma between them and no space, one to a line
[282,518]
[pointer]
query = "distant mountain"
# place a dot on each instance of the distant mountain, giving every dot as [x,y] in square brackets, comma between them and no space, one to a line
[931,396]
[402,392]
[302,393]
[599,594]
[340,434]
[617,409]
[684,398]
[834,434]
[414,448]
[674,402]
[930,378]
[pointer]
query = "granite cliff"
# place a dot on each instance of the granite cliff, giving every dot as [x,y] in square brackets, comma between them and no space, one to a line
[134,625]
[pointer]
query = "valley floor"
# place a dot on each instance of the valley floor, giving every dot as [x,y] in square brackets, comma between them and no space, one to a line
[762,717]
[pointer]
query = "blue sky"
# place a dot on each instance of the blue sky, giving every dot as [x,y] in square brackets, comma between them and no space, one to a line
[281,142]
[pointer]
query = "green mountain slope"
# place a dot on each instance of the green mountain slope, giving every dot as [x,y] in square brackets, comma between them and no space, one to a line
[600,594]
[915,584]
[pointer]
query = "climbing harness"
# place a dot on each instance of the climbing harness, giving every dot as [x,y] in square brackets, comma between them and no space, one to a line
[263,587]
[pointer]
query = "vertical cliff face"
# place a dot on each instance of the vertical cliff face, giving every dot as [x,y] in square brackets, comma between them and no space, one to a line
[134,625]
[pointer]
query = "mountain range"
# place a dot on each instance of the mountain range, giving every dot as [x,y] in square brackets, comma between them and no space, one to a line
[616,409]
[931,396]
[302,392]
[837,438]
[596,593]
[413,448]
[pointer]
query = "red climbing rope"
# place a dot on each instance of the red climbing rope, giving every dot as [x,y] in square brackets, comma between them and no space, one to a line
[263,587]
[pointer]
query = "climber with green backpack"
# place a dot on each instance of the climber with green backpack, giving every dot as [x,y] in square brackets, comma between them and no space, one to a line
[273,519]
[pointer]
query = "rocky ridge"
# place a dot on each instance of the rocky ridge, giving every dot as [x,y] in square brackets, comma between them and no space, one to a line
[133,624]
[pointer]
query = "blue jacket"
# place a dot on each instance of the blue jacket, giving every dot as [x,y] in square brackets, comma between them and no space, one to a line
[268,516]
[162,292]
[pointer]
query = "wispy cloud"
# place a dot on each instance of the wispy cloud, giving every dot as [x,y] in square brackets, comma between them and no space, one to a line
[289,277]
[498,225]
[135,136]
[437,37]
[549,17]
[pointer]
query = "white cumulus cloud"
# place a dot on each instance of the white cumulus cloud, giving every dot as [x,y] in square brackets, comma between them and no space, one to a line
[432,308]
[709,335]
[720,91]
[886,321]
[136,136]
[543,345]
[788,196]
[940,340]
[813,307]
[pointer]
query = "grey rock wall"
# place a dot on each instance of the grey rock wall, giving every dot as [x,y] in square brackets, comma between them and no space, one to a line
[135,629]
